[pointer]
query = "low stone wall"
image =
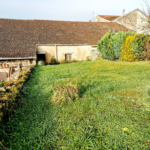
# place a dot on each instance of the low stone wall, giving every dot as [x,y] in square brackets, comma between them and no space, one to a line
[8,94]
[24,62]
[95,54]
[8,68]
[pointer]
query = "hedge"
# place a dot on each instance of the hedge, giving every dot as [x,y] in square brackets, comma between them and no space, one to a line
[110,45]
[115,45]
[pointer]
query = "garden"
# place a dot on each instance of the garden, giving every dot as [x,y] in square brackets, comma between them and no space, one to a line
[96,105]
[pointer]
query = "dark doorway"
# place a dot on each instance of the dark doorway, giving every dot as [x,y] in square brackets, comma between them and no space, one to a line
[41,57]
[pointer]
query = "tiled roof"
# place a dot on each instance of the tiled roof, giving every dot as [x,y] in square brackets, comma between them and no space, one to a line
[18,38]
[109,18]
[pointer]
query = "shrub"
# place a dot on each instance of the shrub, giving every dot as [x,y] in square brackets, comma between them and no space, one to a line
[1,84]
[68,61]
[88,58]
[104,46]
[74,60]
[127,53]
[117,41]
[65,93]
[63,61]
[139,45]
[110,45]
[53,60]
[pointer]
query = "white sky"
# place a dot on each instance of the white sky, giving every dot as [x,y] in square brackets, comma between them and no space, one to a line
[70,10]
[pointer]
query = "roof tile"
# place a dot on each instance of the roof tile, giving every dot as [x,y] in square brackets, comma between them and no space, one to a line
[18,38]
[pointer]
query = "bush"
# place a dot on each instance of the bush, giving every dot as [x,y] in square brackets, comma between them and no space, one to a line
[74,60]
[68,61]
[88,58]
[104,46]
[127,53]
[117,41]
[53,60]
[1,84]
[63,61]
[139,45]
[65,93]
[110,45]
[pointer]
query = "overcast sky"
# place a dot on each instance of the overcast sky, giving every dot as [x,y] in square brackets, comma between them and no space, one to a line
[70,10]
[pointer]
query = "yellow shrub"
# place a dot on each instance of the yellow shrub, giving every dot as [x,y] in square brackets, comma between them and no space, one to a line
[127,53]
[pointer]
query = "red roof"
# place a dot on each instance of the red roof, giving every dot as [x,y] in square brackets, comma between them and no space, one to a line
[18,38]
[110,18]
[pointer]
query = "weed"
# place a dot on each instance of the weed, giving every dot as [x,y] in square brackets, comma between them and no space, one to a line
[64,94]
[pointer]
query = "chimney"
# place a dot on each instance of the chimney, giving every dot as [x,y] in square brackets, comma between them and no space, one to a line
[123,12]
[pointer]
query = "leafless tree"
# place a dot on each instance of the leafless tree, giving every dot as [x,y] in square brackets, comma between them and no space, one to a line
[143,21]
[140,22]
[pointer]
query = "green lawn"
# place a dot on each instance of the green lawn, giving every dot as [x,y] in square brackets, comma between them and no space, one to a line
[113,111]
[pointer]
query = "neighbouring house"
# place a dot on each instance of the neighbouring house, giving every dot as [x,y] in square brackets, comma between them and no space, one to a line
[105,18]
[135,20]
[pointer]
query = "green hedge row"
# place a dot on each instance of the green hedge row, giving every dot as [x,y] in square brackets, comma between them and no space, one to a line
[8,96]
[111,44]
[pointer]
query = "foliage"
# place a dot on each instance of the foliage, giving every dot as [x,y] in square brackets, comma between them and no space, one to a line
[63,61]
[65,93]
[68,61]
[138,45]
[113,110]
[8,96]
[110,45]
[88,58]
[127,53]
[104,46]
[53,60]
[1,84]
[117,41]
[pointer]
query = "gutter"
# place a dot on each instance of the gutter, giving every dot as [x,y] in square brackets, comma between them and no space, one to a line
[18,58]
[56,52]
[62,44]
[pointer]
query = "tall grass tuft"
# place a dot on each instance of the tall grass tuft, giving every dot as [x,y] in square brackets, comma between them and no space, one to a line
[65,93]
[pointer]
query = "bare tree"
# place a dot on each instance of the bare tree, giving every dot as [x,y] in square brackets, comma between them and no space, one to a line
[143,21]
[138,20]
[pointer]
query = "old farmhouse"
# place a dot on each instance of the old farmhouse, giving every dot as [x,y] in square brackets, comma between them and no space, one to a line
[29,40]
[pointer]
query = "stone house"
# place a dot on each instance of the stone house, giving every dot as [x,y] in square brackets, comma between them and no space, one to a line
[27,41]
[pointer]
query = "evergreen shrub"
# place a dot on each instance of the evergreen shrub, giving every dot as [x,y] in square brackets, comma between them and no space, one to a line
[139,45]
[127,53]
[104,46]
[110,45]
[118,40]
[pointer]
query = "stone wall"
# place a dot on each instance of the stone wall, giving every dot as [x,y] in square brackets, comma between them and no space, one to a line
[95,54]
[7,67]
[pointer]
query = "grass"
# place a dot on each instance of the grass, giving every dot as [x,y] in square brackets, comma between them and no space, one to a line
[113,112]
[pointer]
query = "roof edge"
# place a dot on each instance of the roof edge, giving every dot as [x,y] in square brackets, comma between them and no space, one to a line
[103,19]
[126,26]
[131,12]
[17,58]
[62,44]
